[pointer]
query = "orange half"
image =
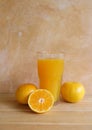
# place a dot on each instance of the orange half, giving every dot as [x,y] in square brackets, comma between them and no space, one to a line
[41,101]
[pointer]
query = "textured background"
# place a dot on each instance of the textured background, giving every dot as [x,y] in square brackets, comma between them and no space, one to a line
[29,26]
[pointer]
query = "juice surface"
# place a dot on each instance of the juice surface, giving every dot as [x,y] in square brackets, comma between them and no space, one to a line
[50,75]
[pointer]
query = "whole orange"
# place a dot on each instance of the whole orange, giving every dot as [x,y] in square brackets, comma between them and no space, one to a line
[23,92]
[72,91]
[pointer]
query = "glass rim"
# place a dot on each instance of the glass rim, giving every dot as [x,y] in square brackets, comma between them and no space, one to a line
[51,55]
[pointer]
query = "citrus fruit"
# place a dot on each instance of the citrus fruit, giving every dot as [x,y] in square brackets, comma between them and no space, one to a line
[72,91]
[41,101]
[23,92]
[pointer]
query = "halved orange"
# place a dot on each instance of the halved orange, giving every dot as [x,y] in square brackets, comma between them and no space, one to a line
[41,101]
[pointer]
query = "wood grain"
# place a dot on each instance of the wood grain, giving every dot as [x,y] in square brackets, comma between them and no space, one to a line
[63,115]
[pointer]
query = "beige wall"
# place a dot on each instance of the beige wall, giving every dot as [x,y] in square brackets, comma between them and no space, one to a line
[28,26]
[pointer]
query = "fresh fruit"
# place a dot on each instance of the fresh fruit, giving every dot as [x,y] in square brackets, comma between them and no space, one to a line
[23,92]
[41,101]
[72,91]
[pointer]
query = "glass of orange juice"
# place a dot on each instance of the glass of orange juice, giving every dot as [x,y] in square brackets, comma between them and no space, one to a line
[50,72]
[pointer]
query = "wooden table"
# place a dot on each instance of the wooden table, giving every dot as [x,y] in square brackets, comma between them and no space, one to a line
[63,116]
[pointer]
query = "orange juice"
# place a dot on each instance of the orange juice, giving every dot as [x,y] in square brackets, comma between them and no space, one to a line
[50,73]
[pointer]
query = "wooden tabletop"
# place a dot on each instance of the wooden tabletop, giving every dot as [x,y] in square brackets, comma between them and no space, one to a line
[63,116]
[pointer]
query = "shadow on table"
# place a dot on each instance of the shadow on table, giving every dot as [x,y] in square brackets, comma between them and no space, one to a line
[8,102]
